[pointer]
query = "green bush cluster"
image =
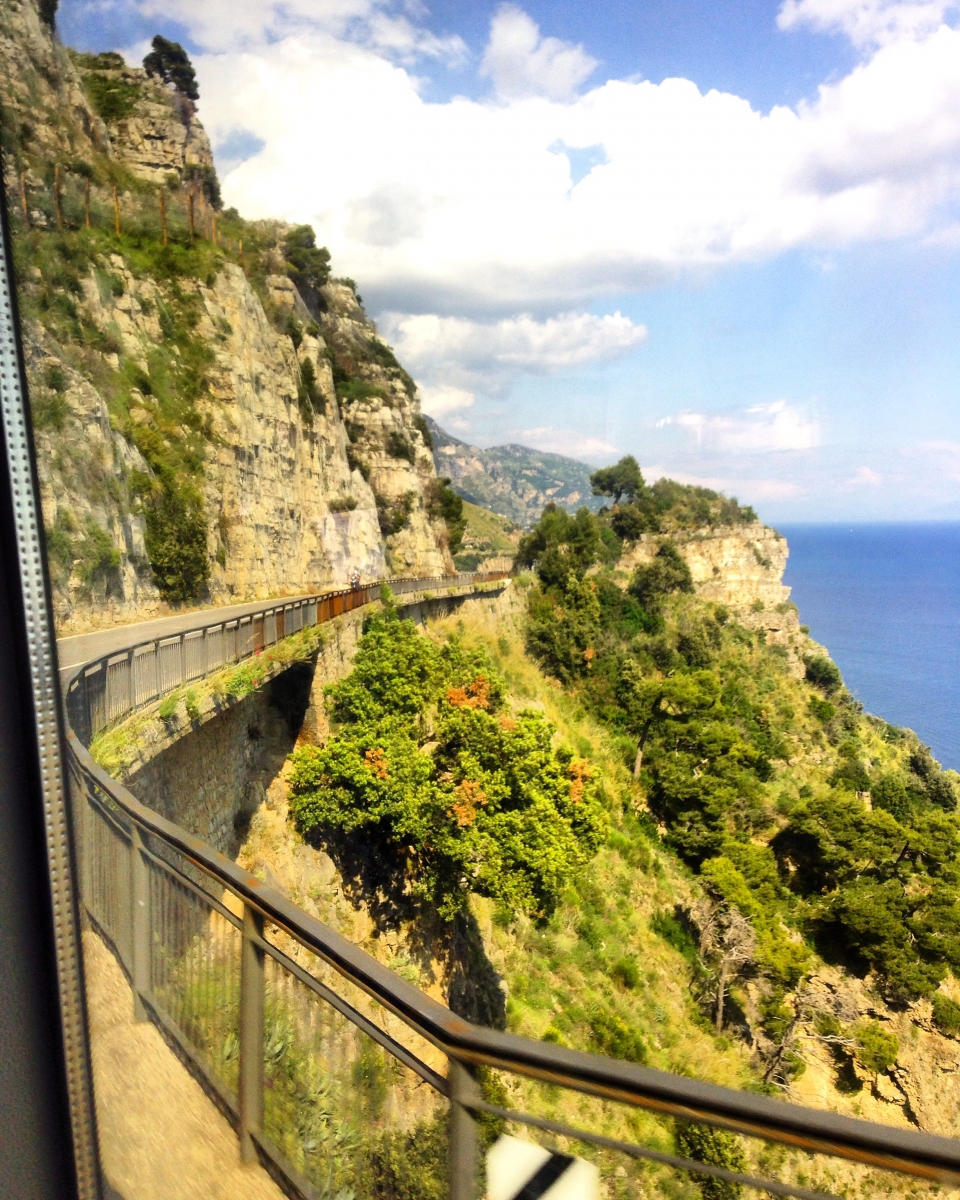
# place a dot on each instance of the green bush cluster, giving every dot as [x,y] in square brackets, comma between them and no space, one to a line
[399,446]
[393,515]
[457,793]
[112,99]
[702,1143]
[309,397]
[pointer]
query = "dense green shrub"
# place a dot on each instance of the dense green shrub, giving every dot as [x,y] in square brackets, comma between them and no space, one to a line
[628,523]
[309,397]
[716,1147]
[176,536]
[420,423]
[444,504]
[882,892]
[823,673]
[393,515]
[308,263]
[457,794]
[398,446]
[112,99]
[876,1049]
[946,1014]
[665,574]
[611,1035]
[98,557]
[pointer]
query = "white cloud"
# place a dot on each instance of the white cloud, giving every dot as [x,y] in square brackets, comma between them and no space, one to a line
[570,442]
[454,356]
[439,401]
[761,428]
[520,62]
[427,341]
[466,205]
[252,23]
[862,477]
[866,22]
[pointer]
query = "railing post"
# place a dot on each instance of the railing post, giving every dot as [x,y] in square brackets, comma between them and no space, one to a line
[464,1143]
[140,922]
[252,995]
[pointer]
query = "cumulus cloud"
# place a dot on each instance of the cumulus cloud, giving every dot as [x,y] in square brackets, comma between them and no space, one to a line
[762,428]
[467,205]
[519,62]
[456,356]
[570,442]
[518,343]
[445,399]
[867,22]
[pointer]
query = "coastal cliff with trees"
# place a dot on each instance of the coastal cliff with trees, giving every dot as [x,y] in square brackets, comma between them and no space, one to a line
[630,806]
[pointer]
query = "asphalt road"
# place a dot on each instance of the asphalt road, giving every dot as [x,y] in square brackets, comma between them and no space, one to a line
[82,647]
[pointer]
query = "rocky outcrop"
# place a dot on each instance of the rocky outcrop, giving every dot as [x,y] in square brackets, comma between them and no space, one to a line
[161,135]
[45,110]
[740,567]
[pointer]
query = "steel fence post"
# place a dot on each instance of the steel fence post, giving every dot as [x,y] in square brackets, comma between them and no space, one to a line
[140,923]
[252,996]
[464,1143]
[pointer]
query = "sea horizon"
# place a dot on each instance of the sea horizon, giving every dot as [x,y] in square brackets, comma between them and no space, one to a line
[884,598]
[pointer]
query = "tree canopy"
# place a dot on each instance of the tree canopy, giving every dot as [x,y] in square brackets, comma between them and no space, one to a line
[622,479]
[308,263]
[169,62]
[458,793]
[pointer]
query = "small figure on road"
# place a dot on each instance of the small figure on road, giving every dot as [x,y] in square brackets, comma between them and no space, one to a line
[355,579]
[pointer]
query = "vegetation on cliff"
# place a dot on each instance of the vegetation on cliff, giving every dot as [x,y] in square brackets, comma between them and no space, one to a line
[118,261]
[463,794]
[715,726]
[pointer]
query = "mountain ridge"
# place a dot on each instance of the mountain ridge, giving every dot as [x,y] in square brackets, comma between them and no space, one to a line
[512,480]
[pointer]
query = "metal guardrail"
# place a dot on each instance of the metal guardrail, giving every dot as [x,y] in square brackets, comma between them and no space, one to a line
[324,1059]
[107,689]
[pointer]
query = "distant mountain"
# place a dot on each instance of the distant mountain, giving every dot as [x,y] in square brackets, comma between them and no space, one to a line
[514,481]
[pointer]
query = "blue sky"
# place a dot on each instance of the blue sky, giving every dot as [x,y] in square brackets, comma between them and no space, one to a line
[721,236]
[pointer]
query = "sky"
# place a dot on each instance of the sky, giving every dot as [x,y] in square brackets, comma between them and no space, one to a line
[721,236]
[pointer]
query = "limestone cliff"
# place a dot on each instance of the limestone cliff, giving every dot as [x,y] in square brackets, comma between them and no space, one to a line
[206,430]
[740,567]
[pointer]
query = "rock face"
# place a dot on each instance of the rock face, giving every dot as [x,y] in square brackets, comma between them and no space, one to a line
[161,136]
[740,567]
[44,103]
[301,477]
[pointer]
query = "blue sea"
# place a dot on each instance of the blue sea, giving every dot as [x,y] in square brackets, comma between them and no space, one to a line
[885,601]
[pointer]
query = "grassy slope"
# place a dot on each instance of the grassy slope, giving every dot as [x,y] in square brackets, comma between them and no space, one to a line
[487,535]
